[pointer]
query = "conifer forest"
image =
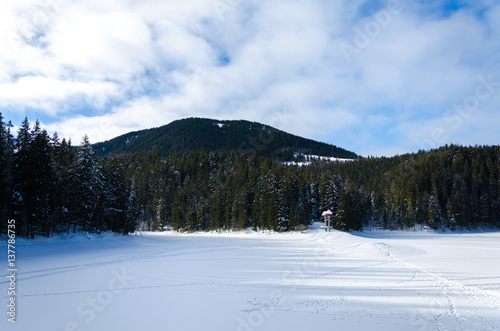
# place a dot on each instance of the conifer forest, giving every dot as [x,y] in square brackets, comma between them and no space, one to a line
[49,186]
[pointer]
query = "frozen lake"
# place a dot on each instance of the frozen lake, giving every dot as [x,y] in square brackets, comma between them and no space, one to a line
[258,281]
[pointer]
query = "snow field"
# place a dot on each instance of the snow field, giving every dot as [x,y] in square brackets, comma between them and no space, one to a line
[247,281]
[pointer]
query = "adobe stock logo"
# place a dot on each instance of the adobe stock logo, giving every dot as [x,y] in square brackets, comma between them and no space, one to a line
[223,7]
[363,37]
[455,117]
[38,17]
[96,304]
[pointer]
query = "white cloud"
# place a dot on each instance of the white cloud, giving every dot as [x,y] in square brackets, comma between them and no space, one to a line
[50,94]
[138,64]
[109,45]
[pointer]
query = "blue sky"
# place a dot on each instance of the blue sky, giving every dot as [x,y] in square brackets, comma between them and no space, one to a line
[380,77]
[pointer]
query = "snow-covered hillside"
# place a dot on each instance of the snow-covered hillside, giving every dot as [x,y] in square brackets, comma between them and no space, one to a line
[308,159]
[259,281]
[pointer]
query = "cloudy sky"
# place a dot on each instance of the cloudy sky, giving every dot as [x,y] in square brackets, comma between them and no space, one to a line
[376,77]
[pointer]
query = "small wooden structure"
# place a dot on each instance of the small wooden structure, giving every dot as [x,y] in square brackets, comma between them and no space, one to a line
[327,216]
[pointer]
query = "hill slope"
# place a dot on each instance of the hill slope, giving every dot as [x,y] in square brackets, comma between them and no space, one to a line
[199,133]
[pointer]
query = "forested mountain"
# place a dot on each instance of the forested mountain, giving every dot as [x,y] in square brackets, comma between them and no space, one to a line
[48,188]
[195,134]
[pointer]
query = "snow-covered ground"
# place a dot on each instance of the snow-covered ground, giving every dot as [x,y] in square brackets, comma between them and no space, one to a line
[258,281]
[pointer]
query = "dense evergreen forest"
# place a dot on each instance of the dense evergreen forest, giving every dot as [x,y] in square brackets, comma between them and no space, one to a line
[453,187]
[49,188]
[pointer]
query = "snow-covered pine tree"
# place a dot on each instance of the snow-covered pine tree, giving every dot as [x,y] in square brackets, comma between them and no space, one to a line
[63,159]
[351,210]
[132,214]
[283,202]
[330,189]
[114,195]
[6,163]
[3,168]
[269,202]
[314,201]
[88,184]
[435,217]
[343,215]
[42,181]
[21,196]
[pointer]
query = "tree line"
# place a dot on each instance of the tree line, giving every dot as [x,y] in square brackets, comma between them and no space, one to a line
[200,191]
[50,187]
[453,187]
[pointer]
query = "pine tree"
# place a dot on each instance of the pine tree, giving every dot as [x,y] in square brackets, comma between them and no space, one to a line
[179,210]
[344,209]
[269,202]
[87,180]
[42,181]
[350,214]
[217,209]
[63,159]
[330,189]
[283,202]
[434,213]
[243,207]
[132,214]
[22,194]
[303,207]
[6,163]
[115,194]
[3,169]
[314,202]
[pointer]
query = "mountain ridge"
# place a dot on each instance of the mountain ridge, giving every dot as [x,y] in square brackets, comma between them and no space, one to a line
[191,134]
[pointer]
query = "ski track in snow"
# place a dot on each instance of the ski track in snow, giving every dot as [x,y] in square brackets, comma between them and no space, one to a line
[490,298]
[340,278]
[446,286]
[442,299]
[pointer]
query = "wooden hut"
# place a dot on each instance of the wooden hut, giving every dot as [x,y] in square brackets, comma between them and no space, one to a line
[328,219]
